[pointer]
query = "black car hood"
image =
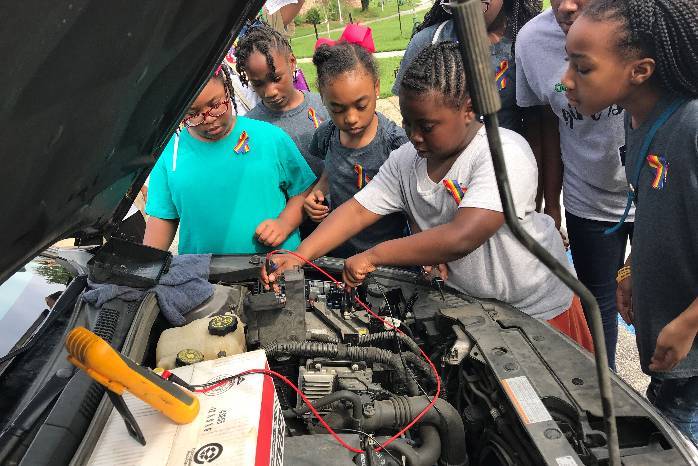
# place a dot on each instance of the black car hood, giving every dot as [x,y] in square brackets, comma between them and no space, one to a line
[91,92]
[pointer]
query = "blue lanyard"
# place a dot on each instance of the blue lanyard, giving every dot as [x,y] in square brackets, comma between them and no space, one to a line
[640,162]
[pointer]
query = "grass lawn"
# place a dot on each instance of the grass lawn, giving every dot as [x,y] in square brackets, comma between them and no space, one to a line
[387,67]
[386,33]
[374,12]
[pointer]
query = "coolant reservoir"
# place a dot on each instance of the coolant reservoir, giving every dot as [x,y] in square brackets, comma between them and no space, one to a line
[214,337]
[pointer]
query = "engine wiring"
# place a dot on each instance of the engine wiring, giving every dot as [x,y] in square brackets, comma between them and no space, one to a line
[207,387]
[213,385]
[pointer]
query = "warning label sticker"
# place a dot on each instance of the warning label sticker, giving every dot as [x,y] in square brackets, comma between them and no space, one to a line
[526,400]
[566,461]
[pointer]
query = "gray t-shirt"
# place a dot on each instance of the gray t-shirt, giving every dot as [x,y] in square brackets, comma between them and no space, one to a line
[594,185]
[503,67]
[500,268]
[665,239]
[297,123]
[349,170]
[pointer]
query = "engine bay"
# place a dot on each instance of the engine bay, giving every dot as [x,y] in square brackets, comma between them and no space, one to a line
[512,389]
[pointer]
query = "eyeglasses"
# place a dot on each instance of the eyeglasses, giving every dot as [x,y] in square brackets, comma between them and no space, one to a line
[445,4]
[217,110]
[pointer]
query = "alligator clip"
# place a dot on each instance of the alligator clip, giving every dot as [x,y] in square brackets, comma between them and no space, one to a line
[436,281]
[269,266]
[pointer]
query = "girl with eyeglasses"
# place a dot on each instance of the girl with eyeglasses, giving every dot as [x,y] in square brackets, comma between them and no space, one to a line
[503,19]
[231,184]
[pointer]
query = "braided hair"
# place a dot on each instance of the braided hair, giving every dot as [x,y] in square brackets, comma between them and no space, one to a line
[664,30]
[224,74]
[333,60]
[262,39]
[439,67]
[518,13]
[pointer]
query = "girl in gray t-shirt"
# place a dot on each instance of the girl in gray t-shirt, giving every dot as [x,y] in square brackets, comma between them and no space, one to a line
[354,143]
[266,63]
[643,56]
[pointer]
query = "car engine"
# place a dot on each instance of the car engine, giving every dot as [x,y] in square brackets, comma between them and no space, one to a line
[368,380]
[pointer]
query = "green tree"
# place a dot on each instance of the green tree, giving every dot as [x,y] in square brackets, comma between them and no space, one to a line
[364,5]
[313,16]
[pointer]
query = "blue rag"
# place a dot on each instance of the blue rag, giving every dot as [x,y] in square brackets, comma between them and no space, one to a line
[183,288]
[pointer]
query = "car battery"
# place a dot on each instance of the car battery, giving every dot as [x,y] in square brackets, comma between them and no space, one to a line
[240,422]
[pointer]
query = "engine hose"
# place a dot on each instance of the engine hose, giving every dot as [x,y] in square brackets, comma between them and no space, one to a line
[369,354]
[324,338]
[398,411]
[367,340]
[421,365]
[425,455]
[341,395]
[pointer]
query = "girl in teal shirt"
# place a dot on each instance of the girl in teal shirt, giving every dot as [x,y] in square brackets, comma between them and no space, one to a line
[233,185]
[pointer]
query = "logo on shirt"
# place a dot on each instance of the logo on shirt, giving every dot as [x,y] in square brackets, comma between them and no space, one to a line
[456,190]
[500,74]
[660,166]
[361,177]
[312,116]
[243,144]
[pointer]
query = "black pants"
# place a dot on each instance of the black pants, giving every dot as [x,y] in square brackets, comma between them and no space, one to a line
[597,257]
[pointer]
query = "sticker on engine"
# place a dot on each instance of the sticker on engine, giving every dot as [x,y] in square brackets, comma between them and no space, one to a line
[566,461]
[526,400]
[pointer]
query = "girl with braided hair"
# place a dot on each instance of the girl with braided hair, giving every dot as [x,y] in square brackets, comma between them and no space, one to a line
[209,171]
[444,181]
[354,143]
[265,63]
[503,19]
[643,56]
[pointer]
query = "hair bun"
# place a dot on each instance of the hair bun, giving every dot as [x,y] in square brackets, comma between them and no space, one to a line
[322,54]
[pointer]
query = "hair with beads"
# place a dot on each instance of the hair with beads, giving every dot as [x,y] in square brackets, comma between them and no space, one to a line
[333,60]
[518,13]
[439,68]
[262,39]
[664,30]
[224,74]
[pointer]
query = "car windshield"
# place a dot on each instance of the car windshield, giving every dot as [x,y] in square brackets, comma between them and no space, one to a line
[24,296]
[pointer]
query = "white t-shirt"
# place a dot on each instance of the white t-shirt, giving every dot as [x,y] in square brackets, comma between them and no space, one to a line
[594,183]
[500,268]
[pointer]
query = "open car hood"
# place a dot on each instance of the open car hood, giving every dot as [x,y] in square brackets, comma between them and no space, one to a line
[91,92]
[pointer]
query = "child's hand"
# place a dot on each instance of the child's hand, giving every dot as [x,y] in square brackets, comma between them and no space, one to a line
[356,268]
[272,232]
[314,206]
[279,263]
[624,302]
[673,344]
[441,271]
